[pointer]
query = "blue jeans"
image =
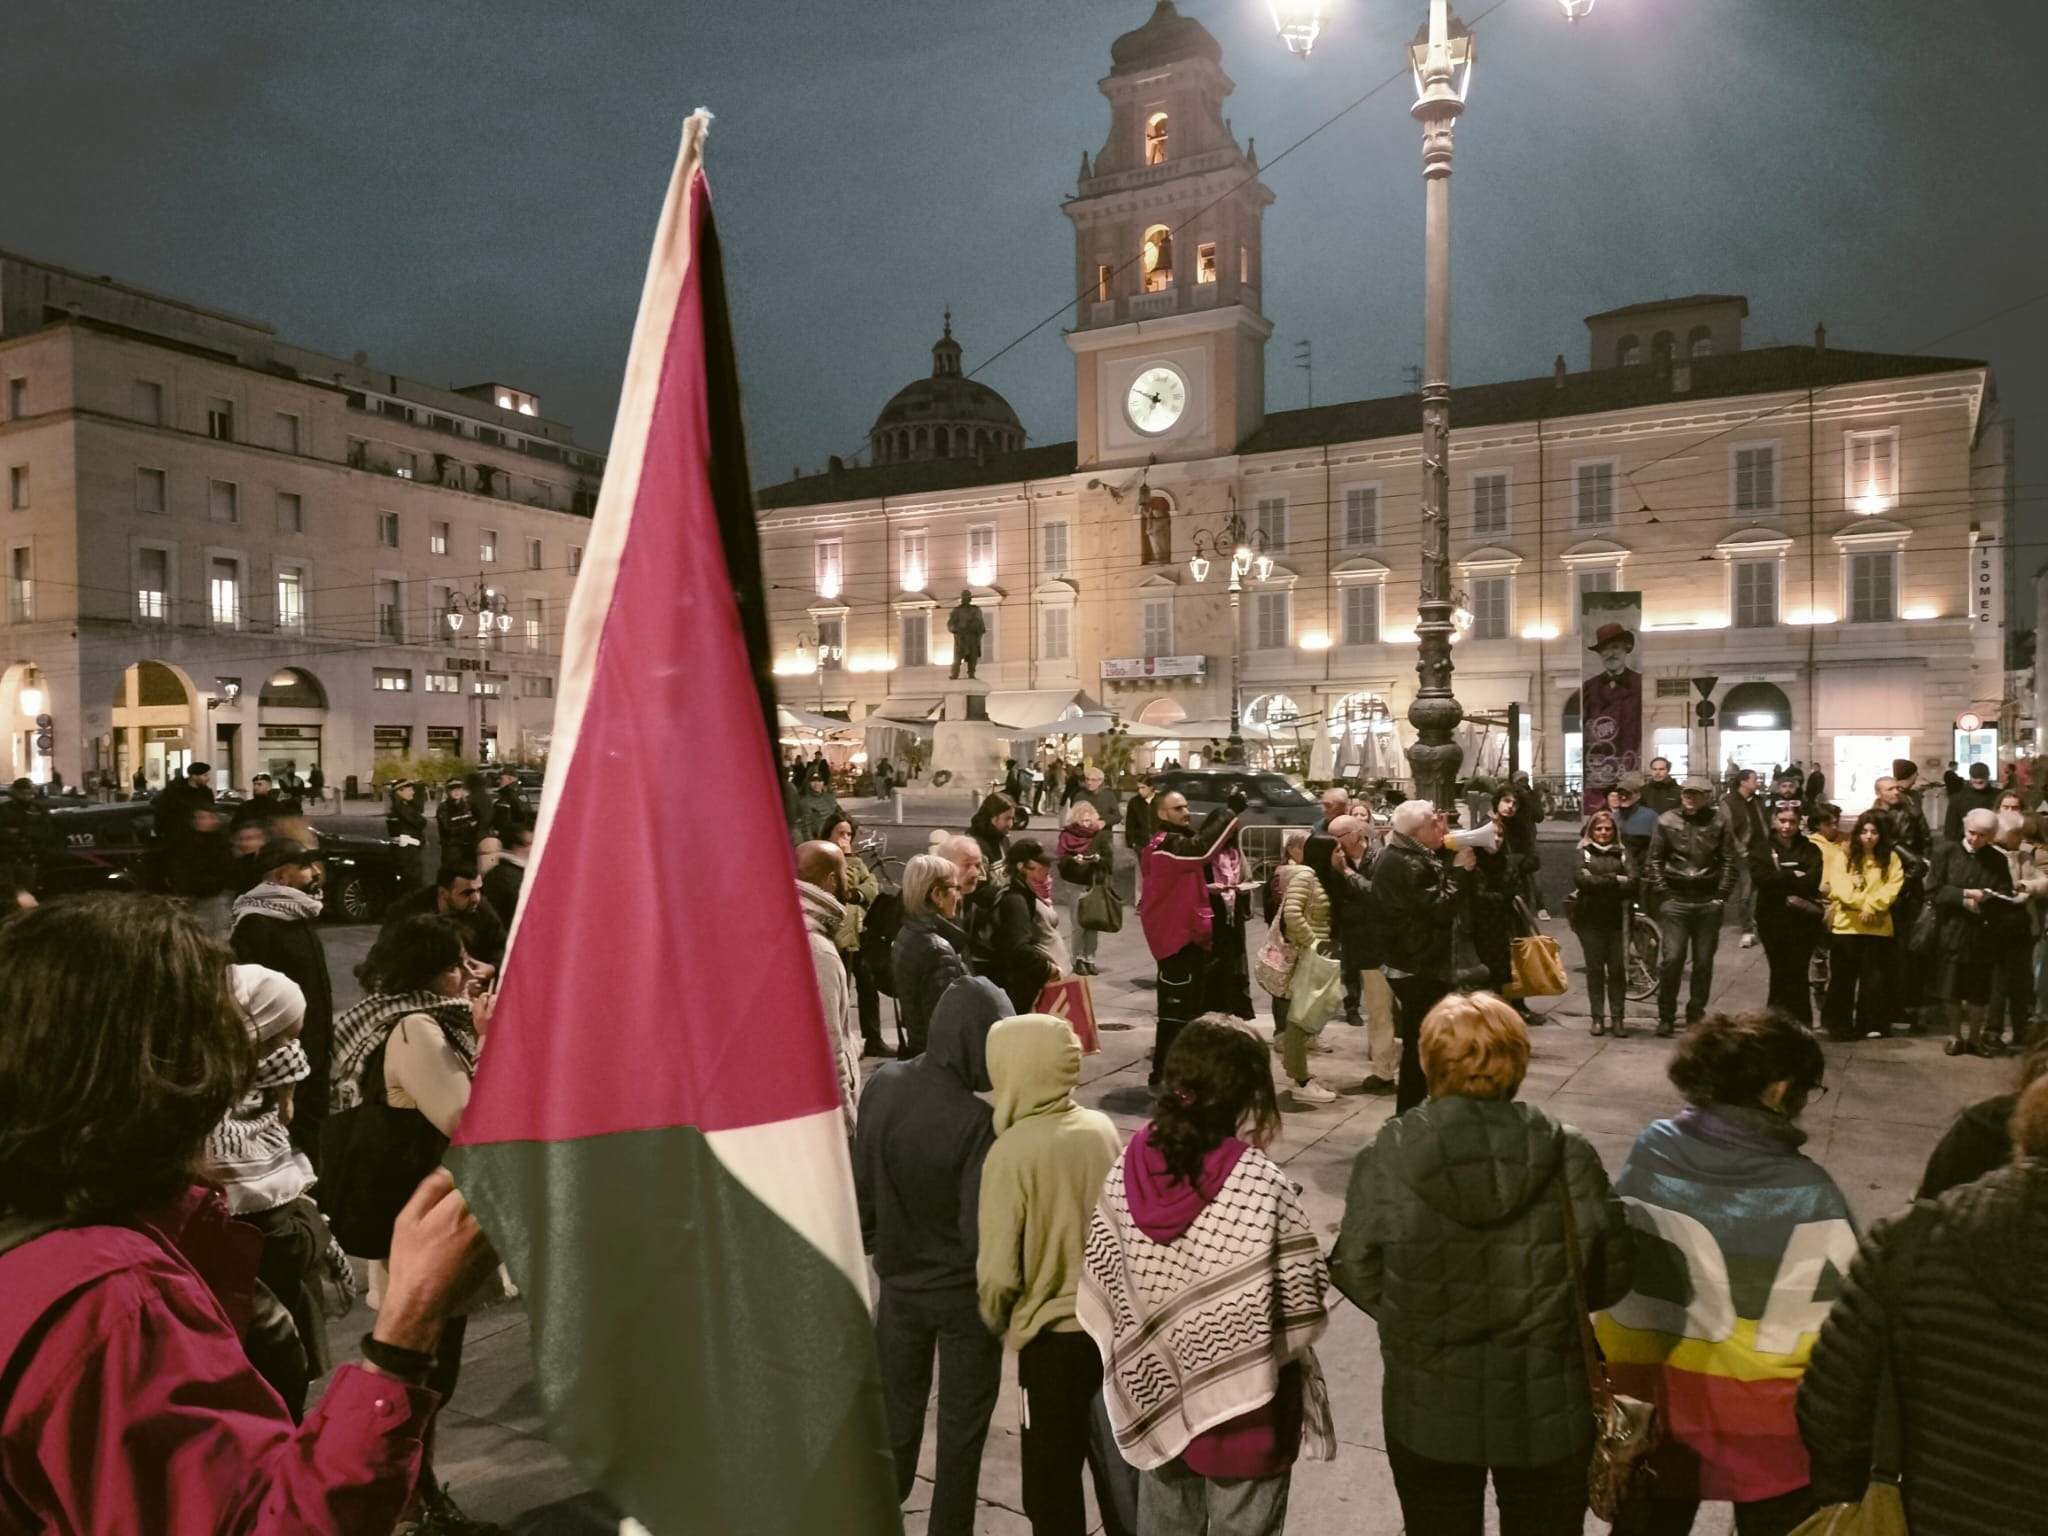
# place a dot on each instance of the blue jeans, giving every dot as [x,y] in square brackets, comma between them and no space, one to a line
[1686,925]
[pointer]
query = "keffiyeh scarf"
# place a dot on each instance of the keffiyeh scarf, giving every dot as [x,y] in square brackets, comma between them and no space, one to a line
[358,1033]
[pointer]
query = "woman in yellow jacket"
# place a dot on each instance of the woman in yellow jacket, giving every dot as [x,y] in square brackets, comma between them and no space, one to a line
[1863,887]
[1305,921]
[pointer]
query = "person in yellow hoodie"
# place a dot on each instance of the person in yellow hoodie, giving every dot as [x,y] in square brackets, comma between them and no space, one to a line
[1039,1186]
[1863,887]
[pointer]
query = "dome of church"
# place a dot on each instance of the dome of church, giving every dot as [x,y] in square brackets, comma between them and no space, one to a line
[1166,38]
[947,416]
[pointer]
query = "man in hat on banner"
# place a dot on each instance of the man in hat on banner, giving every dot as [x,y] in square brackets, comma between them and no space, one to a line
[1611,709]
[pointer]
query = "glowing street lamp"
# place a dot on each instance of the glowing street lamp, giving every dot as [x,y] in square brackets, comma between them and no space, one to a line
[1246,548]
[1299,26]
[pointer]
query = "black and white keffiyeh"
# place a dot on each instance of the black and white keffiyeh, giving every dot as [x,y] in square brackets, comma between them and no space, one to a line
[358,1033]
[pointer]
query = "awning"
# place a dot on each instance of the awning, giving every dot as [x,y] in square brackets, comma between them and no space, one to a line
[1047,712]
[803,720]
[1218,730]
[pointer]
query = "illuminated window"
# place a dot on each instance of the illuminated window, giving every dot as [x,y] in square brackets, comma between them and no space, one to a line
[1871,470]
[1244,264]
[152,584]
[1362,613]
[981,554]
[914,565]
[443,682]
[1157,251]
[291,597]
[828,561]
[487,545]
[536,623]
[224,593]
[1155,139]
[1105,274]
[1205,262]
[391,679]
[437,538]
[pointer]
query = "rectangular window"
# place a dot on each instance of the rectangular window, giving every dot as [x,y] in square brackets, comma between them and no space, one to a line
[1489,504]
[391,610]
[392,679]
[1272,522]
[981,554]
[21,584]
[1756,479]
[152,585]
[1490,607]
[1361,516]
[17,399]
[406,466]
[1270,621]
[1105,275]
[443,682]
[1873,586]
[533,554]
[537,687]
[1590,581]
[437,538]
[17,487]
[1595,498]
[291,597]
[287,432]
[224,593]
[1755,604]
[914,563]
[152,490]
[1362,613]
[387,529]
[224,499]
[536,623]
[146,400]
[1056,633]
[828,566]
[1155,627]
[1205,262]
[1244,264]
[914,631]
[575,558]
[1053,538]
[220,420]
[487,545]
[831,644]
[1871,464]
[488,687]
[291,513]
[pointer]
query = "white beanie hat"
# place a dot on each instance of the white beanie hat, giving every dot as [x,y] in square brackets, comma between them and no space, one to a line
[271,999]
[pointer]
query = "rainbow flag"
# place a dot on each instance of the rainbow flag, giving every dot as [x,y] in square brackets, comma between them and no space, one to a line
[655,1143]
[1741,1247]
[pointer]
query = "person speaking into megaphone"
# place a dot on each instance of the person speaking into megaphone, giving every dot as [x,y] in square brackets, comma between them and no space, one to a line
[1419,898]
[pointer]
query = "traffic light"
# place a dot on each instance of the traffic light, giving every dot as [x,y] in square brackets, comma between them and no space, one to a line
[1703,712]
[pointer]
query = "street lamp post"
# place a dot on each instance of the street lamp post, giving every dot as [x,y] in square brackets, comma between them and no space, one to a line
[807,644]
[493,615]
[1246,551]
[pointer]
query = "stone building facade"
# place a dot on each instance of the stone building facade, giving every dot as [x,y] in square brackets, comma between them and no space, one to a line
[1817,533]
[221,546]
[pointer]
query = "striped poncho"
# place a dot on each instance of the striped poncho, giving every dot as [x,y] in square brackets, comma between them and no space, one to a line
[1742,1244]
[1196,1332]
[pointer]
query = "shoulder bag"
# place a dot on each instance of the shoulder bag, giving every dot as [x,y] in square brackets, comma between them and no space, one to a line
[1537,963]
[1273,965]
[373,1156]
[1317,990]
[1100,909]
[1624,1428]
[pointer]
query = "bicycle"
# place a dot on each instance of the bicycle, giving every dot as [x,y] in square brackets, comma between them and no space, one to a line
[873,851]
[1645,953]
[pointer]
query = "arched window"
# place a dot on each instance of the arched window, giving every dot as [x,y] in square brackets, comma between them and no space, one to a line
[1155,139]
[1158,259]
[923,441]
[1661,346]
[960,449]
[1628,352]
[1700,343]
[903,444]
[942,442]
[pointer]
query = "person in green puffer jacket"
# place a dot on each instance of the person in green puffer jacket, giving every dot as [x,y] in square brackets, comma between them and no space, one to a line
[1453,1240]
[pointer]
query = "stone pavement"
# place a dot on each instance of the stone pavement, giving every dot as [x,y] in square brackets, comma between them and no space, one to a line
[1889,1101]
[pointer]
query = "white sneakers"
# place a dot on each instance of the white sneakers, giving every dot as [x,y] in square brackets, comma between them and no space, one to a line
[1748,941]
[1311,1092]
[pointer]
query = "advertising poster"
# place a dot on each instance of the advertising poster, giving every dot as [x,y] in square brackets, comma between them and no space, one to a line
[1611,698]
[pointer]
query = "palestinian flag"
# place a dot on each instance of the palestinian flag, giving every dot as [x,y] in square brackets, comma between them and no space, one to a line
[655,1143]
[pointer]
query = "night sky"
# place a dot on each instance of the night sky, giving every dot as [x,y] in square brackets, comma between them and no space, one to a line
[467,191]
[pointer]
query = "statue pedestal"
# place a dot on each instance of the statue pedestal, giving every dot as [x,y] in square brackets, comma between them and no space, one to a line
[966,743]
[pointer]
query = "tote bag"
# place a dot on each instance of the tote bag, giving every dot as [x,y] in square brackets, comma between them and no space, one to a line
[1100,909]
[1317,991]
[1537,964]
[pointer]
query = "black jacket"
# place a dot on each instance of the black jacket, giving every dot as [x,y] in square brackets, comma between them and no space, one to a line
[509,811]
[460,828]
[1952,1292]
[1356,922]
[1138,824]
[293,947]
[1745,820]
[930,955]
[1597,874]
[1964,797]
[502,887]
[406,817]
[482,934]
[1779,873]
[1661,795]
[1693,856]
[1418,895]
[920,1144]
[1015,962]
[1980,1142]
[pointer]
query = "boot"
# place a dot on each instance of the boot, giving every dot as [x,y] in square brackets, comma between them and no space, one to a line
[1962,1028]
[1616,1027]
[1599,1026]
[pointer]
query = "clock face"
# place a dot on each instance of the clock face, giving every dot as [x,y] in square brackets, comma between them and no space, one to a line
[1157,397]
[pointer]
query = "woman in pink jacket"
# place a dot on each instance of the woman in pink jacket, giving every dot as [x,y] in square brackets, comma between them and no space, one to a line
[124,1284]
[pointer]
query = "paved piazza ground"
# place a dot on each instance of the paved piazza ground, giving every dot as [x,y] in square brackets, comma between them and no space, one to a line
[1890,1101]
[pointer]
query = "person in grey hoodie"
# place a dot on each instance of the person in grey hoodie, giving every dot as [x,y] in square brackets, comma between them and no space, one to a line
[917,1160]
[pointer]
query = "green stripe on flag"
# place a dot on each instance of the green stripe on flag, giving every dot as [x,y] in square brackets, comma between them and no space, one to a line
[700,1364]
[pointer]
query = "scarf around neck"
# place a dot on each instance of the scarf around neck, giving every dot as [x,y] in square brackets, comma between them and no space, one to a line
[286,902]
[358,1033]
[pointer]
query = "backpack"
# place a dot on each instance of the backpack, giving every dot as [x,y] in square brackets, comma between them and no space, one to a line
[878,941]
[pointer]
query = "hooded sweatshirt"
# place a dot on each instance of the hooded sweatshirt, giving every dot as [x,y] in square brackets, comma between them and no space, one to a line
[823,913]
[1041,1181]
[918,1153]
[1453,1238]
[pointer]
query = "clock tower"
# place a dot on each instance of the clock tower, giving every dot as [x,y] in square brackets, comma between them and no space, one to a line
[1170,347]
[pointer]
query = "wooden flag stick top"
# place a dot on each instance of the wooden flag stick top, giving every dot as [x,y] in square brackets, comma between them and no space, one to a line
[655,1142]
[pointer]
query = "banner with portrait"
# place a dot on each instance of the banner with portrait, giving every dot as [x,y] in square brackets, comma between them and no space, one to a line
[1611,697]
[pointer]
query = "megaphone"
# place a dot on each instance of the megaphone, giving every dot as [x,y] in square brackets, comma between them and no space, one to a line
[1485,837]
